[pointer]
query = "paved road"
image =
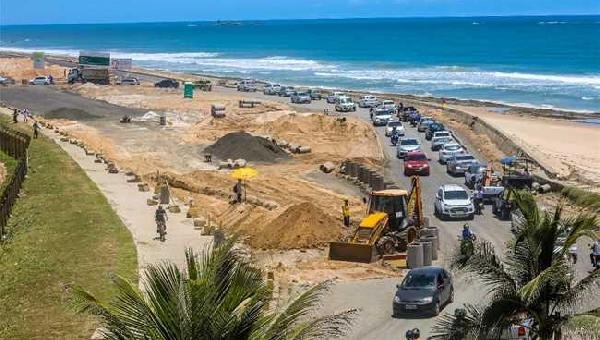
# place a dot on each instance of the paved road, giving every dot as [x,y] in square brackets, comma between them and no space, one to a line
[374,297]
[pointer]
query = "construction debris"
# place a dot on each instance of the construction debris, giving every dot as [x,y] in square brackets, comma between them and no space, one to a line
[237,145]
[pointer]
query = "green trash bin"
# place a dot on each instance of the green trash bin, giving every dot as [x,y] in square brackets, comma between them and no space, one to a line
[188,90]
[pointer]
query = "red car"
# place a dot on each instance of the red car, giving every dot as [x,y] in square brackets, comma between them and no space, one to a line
[416,163]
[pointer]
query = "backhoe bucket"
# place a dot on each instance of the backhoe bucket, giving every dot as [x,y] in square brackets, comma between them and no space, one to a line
[352,252]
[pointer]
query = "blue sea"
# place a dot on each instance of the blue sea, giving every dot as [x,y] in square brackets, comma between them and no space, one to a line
[550,62]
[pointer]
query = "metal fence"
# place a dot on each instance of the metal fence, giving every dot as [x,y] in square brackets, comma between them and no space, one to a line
[14,144]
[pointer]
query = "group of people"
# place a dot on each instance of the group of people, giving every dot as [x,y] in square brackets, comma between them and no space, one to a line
[26,113]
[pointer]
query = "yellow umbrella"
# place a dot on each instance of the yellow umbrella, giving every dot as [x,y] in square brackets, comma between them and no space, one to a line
[244,173]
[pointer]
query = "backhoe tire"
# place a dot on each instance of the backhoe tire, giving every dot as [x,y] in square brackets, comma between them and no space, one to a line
[386,245]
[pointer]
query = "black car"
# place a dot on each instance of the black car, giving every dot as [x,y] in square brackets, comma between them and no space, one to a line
[432,128]
[172,83]
[424,290]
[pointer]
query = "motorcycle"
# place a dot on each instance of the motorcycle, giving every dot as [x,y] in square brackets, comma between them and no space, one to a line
[394,139]
[479,206]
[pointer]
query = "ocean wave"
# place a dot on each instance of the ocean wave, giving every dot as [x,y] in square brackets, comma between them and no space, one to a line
[587,98]
[552,22]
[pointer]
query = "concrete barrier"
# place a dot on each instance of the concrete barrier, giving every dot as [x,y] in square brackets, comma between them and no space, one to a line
[435,244]
[414,255]
[427,252]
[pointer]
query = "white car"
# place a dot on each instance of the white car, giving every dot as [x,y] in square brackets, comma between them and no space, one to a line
[333,98]
[368,101]
[130,81]
[41,80]
[449,150]
[453,201]
[271,89]
[406,145]
[441,134]
[394,124]
[438,142]
[381,116]
[345,104]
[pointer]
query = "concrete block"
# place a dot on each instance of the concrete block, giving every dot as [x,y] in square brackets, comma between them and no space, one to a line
[143,187]
[239,163]
[174,209]
[327,167]
[151,202]
[304,149]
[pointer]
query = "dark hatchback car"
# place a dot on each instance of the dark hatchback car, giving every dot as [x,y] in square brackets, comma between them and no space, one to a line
[168,83]
[424,291]
[433,128]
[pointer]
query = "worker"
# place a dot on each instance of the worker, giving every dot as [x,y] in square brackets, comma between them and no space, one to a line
[36,129]
[15,115]
[238,190]
[160,217]
[467,235]
[346,213]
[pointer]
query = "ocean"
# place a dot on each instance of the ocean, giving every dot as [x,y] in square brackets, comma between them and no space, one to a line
[547,62]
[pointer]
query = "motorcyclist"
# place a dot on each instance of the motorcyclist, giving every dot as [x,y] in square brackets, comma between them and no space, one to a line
[467,235]
[413,334]
[478,200]
[395,136]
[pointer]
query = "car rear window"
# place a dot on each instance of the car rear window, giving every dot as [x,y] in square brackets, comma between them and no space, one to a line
[395,124]
[456,195]
[452,147]
[464,158]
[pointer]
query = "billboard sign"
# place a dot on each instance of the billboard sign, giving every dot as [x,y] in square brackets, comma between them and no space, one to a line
[121,64]
[38,60]
[94,59]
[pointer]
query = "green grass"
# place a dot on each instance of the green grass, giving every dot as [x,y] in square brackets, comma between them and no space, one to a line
[583,198]
[9,164]
[63,233]
[587,324]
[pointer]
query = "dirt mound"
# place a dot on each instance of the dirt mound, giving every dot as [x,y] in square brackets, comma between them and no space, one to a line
[300,226]
[244,145]
[70,113]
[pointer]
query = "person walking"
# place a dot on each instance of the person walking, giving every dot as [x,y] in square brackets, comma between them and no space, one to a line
[160,217]
[36,129]
[25,114]
[15,115]
[346,213]
[238,190]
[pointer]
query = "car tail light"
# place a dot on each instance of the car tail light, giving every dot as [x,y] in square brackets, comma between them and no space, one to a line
[521,331]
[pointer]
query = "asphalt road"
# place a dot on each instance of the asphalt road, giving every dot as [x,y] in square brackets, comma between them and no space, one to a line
[374,297]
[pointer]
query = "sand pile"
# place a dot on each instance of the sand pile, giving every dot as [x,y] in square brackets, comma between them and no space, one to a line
[301,225]
[22,68]
[243,145]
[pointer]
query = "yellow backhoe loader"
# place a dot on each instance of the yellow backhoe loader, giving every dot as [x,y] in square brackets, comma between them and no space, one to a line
[394,218]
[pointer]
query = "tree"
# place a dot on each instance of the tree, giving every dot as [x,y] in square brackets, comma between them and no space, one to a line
[532,283]
[218,295]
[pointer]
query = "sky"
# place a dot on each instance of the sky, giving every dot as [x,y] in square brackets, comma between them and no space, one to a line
[15,12]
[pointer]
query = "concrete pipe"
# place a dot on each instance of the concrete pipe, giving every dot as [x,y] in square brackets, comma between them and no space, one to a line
[433,231]
[435,245]
[414,255]
[427,252]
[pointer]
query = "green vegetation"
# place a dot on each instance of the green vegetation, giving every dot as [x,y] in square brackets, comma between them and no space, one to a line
[219,295]
[9,164]
[533,281]
[583,198]
[62,233]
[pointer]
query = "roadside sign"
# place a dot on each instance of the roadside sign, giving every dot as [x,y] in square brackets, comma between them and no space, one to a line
[121,64]
[38,60]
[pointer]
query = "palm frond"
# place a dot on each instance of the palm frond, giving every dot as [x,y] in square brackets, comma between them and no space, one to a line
[325,327]
[488,267]
[464,323]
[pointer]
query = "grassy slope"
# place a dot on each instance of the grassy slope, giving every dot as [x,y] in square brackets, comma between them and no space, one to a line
[64,233]
[9,164]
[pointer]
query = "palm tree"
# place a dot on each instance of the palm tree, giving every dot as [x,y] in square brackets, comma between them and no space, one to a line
[533,281]
[218,295]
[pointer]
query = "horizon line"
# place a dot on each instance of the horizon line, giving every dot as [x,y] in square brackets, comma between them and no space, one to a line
[309,19]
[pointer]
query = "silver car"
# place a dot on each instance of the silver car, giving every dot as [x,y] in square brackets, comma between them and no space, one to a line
[271,89]
[453,201]
[301,98]
[345,104]
[438,142]
[406,145]
[458,164]
[41,80]
[449,150]
[424,124]
[381,116]
[368,101]
[389,128]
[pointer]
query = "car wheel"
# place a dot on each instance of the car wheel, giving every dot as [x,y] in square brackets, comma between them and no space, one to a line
[472,217]
[436,309]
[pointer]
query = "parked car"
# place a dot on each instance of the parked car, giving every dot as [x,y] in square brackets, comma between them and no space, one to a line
[406,145]
[388,104]
[453,201]
[129,81]
[474,174]
[368,101]
[381,116]
[345,104]
[458,164]
[449,150]
[416,163]
[424,124]
[167,83]
[41,80]
[394,124]
[433,128]
[315,94]
[424,290]
[438,142]
[287,91]
[246,85]
[332,98]
[7,81]
[301,98]
[271,89]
